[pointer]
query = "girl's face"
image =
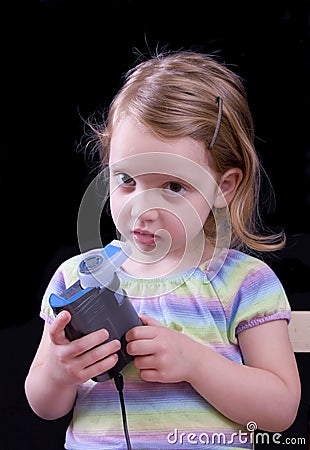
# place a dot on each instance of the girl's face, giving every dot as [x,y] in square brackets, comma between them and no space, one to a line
[161,192]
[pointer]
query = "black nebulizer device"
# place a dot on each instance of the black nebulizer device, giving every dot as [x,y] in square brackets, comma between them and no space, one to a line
[96,301]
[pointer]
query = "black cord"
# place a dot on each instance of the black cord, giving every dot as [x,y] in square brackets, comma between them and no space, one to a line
[119,383]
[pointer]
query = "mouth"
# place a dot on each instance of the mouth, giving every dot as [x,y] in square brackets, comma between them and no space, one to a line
[144,237]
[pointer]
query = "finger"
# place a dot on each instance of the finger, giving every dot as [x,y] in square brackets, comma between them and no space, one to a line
[100,352]
[140,347]
[57,328]
[89,341]
[150,375]
[145,362]
[99,367]
[147,332]
[149,320]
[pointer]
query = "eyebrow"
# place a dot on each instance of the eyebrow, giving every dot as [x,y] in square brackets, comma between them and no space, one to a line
[117,170]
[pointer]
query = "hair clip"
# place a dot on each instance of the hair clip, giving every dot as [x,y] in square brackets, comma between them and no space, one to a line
[219,101]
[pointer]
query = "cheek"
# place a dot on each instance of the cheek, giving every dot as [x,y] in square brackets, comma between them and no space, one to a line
[192,215]
[117,209]
[203,210]
[174,224]
[185,224]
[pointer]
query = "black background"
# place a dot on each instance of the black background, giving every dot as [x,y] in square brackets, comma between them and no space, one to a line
[60,62]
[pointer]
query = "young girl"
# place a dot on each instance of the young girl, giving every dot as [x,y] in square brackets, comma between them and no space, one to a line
[213,360]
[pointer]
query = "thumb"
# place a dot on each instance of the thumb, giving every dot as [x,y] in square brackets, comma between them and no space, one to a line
[149,321]
[57,329]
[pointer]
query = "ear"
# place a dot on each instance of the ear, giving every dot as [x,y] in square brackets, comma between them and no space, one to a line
[228,185]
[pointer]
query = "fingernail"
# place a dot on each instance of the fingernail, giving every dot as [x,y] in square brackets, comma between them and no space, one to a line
[105,333]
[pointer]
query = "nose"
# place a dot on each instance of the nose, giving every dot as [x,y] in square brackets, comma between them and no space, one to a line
[145,206]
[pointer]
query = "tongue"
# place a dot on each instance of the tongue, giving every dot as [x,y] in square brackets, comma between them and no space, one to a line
[148,239]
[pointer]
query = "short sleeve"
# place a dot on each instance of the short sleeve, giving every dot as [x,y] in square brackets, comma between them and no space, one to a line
[65,276]
[261,298]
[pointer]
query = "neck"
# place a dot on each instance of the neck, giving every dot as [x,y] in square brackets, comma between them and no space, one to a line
[144,265]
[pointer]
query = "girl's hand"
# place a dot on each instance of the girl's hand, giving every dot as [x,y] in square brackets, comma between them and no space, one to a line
[77,361]
[160,353]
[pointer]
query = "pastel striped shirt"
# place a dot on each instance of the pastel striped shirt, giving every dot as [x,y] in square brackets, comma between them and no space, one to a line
[244,293]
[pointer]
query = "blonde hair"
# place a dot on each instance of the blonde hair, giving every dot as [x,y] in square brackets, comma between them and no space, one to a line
[175,95]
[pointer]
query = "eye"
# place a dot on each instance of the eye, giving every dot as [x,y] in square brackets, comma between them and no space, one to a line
[175,188]
[125,179]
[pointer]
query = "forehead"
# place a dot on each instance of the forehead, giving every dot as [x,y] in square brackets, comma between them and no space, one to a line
[131,138]
[137,151]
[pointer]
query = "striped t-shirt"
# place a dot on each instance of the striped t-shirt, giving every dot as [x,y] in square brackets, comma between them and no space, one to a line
[212,309]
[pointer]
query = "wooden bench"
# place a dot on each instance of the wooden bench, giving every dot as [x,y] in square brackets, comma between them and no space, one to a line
[299,331]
